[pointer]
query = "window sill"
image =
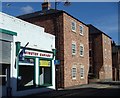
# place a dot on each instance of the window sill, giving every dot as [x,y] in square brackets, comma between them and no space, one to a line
[74,31]
[73,54]
[82,78]
[73,78]
[82,56]
[81,34]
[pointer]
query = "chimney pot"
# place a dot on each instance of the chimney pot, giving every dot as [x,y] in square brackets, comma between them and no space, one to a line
[46,6]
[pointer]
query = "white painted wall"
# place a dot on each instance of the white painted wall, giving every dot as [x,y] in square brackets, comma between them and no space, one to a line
[37,38]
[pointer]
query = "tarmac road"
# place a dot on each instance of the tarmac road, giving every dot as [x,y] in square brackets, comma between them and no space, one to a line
[84,90]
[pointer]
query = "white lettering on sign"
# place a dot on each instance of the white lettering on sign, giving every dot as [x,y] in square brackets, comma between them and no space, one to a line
[38,54]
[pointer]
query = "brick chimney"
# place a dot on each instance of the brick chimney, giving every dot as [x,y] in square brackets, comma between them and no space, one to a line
[46,6]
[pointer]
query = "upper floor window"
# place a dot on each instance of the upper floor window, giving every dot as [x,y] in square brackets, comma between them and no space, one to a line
[81,50]
[73,24]
[105,53]
[74,71]
[73,48]
[105,39]
[81,30]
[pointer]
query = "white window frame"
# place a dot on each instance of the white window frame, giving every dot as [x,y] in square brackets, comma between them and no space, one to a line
[75,48]
[82,72]
[81,33]
[73,26]
[74,72]
[80,50]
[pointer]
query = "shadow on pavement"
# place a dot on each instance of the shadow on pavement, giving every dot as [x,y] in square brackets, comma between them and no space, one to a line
[89,91]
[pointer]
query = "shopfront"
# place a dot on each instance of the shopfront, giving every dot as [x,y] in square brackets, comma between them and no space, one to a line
[6,39]
[32,70]
[35,70]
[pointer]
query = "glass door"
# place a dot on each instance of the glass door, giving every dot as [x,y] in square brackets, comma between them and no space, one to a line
[45,73]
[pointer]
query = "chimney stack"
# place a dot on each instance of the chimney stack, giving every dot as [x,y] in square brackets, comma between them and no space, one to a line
[46,5]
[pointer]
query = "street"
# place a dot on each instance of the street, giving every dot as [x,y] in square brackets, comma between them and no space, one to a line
[96,89]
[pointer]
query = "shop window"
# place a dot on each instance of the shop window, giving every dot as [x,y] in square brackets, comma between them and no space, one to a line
[45,73]
[26,73]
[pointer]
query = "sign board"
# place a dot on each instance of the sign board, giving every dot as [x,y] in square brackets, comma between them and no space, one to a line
[57,62]
[33,53]
[44,63]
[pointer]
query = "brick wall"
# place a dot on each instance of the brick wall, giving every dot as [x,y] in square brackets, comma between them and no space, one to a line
[65,37]
[115,62]
[75,60]
[98,55]
[107,57]
[102,54]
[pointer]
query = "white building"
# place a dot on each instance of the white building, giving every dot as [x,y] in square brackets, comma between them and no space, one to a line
[36,72]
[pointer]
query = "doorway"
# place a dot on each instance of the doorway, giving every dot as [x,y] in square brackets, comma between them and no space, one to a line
[5,79]
[26,71]
[45,73]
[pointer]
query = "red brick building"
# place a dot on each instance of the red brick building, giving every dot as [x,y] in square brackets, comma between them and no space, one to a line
[71,44]
[100,52]
[116,61]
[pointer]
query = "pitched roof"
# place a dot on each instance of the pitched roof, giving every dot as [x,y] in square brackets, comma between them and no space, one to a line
[46,12]
[38,13]
[96,30]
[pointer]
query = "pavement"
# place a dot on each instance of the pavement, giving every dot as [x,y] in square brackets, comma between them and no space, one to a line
[82,90]
[91,89]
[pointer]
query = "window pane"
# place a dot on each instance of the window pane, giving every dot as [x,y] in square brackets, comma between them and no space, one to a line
[73,73]
[82,72]
[81,50]
[73,26]
[81,30]
[73,48]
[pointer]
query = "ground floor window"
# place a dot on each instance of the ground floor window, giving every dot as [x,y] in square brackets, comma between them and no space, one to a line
[74,71]
[82,72]
[26,73]
[34,73]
